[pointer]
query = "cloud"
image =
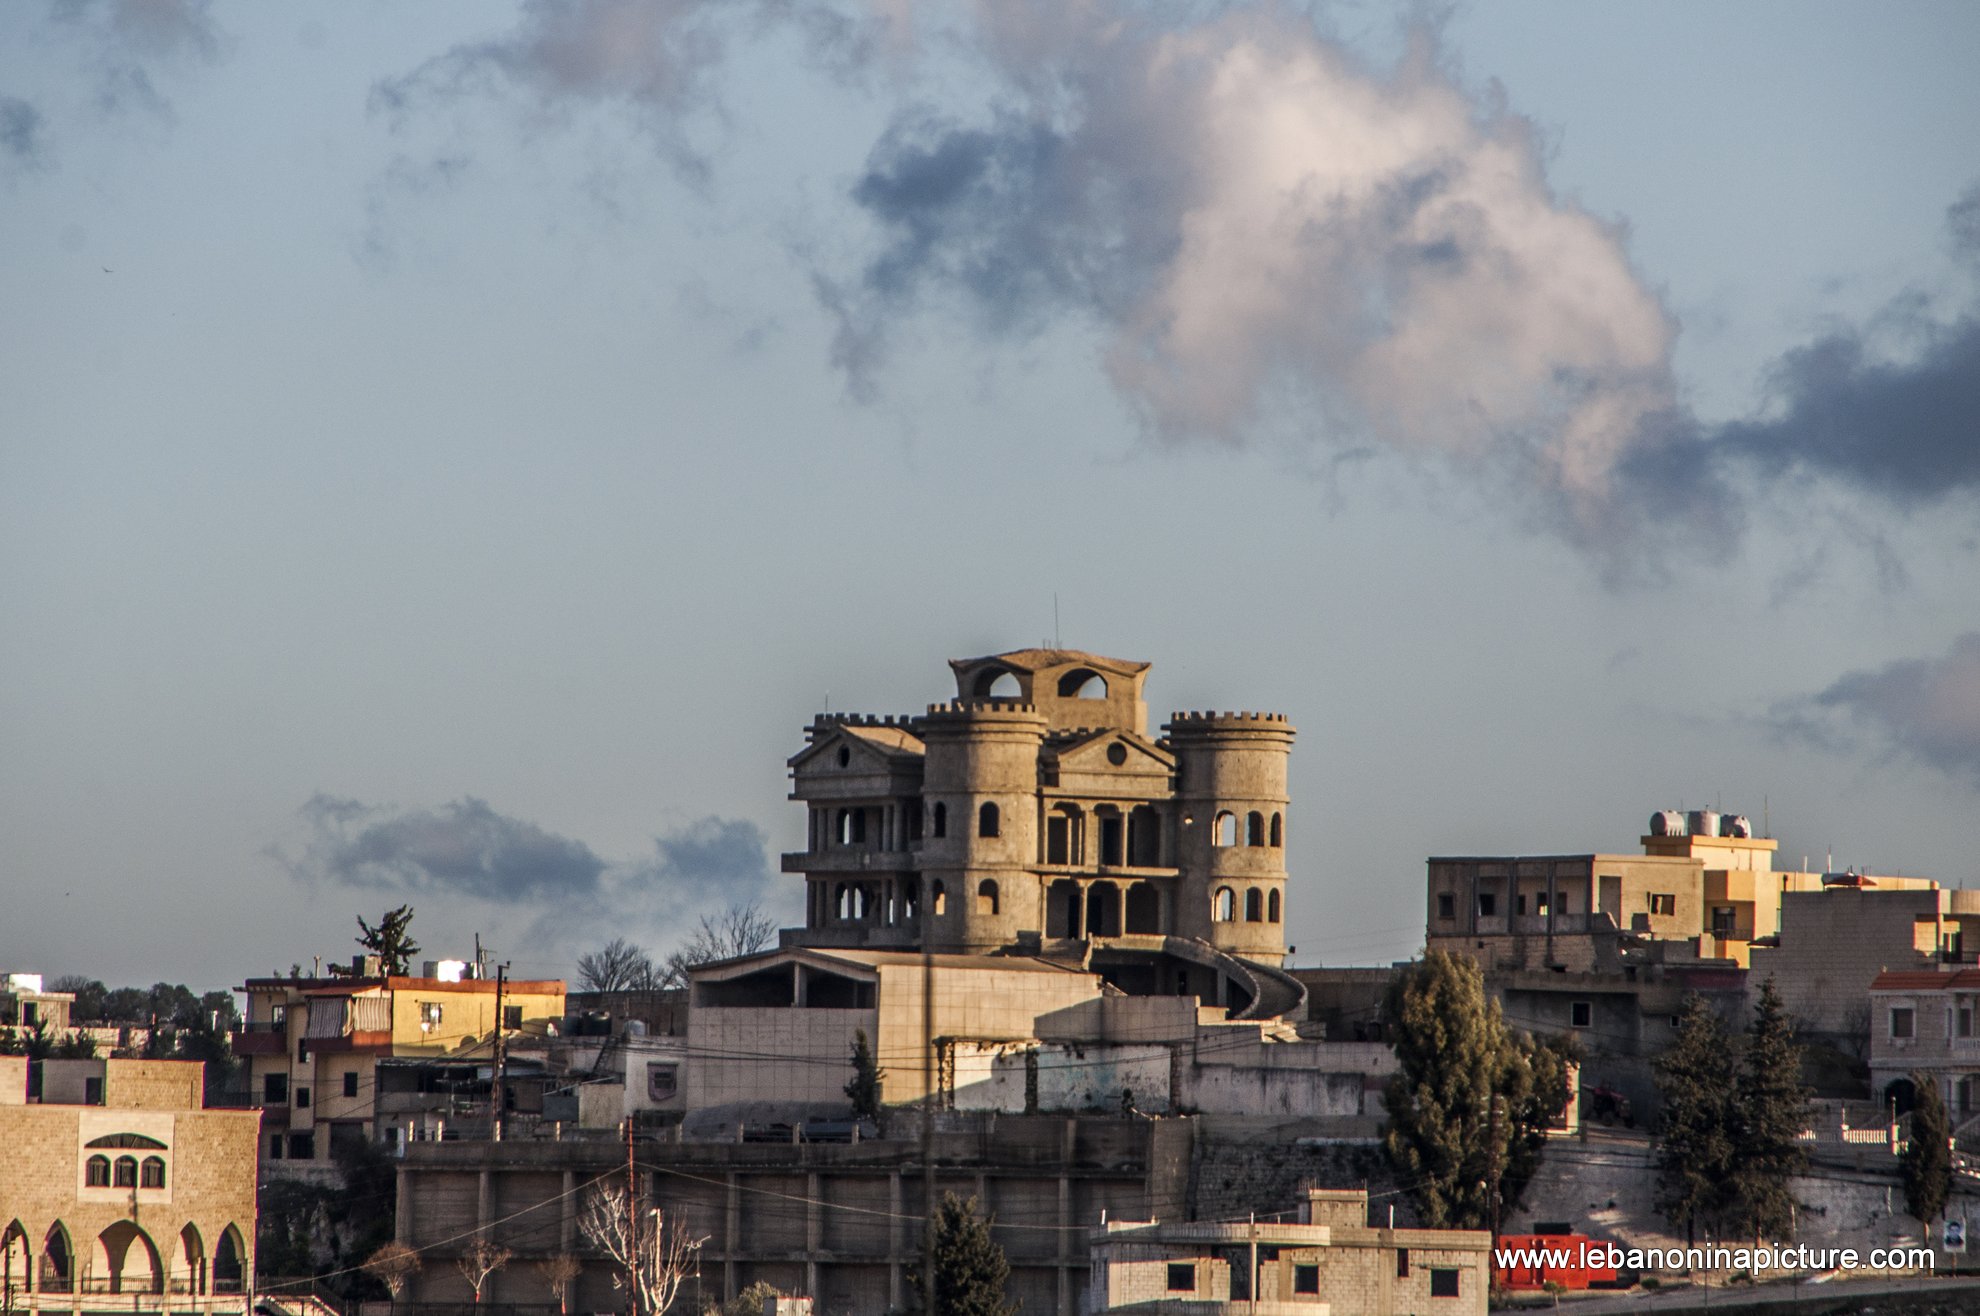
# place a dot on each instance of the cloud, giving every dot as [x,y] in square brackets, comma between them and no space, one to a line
[127,40]
[1927,708]
[1270,235]
[464,848]
[553,891]
[21,140]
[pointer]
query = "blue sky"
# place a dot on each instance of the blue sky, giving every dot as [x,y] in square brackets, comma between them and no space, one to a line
[448,452]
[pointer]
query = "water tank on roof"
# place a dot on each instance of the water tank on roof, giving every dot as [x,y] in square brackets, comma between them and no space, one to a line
[1667,822]
[1735,824]
[1704,822]
[635,1028]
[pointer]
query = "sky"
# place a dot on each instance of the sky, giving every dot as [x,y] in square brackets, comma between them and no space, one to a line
[449,452]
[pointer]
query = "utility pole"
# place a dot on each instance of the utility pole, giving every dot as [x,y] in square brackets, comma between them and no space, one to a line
[632,1223]
[927,1125]
[1251,1282]
[1492,1171]
[501,1055]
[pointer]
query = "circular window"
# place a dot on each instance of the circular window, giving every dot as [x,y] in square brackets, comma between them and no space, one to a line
[1117,753]
[845,756]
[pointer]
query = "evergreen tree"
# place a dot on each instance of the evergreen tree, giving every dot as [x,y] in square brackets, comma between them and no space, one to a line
[390,938]
[1695,1135]
[1769,1117]
[864,1089]
[1471,1098]
[1927,1161]
[971,1271]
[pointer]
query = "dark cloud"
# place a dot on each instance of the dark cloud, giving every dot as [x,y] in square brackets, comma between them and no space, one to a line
[1927,708]
[725,855]
[21,139]
[167,29]
[464,848]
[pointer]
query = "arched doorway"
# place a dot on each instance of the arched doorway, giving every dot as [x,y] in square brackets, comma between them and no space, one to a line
[126,1256]
[1062,910]
[1103,910]
[228,1262]
[191,1261]
[1900,1097]
[58,1261]
[16,1261]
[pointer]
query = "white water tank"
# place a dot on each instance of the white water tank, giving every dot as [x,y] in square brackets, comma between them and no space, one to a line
[1704,822]
[1667,822]
[1736,824]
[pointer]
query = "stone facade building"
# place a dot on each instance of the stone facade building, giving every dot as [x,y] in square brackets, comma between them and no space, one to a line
[120,1193]
[1035,814]
[1329,1261]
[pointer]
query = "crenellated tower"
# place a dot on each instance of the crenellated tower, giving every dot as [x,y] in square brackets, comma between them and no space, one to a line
[1232,803]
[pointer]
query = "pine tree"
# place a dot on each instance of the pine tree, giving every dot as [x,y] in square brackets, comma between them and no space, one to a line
[1769,1117]
[1927,1162]
[390,939]
[1471,1100]
[971,1271]
[864,1089]
[1695,1135]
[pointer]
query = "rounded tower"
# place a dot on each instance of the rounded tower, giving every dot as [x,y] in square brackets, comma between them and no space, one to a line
[1232,829]
[980,810]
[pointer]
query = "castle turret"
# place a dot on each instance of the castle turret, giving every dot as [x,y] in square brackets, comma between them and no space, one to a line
[1231,793]
[980,803]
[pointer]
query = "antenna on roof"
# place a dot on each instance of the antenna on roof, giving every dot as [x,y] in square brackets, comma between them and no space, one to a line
[1055,619]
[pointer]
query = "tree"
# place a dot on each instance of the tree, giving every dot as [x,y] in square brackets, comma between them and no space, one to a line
[1472,1099]
[1770,1115]
[743,930]
[617,966]
[653,1250]
[560,1272]
[393,1265]
[89,994]
[481,1259]
[864,1088]
[1927,1162]
[1695,1146]
[747,1303]
[971,1271]
[390,939]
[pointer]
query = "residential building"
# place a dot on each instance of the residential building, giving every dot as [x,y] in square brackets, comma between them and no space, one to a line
[1923,1021]
[26,1005]
[1033,813]
[1330,1260]
[120,1192]
[313,1046]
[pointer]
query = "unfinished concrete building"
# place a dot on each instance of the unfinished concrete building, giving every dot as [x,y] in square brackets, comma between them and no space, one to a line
[1034,814]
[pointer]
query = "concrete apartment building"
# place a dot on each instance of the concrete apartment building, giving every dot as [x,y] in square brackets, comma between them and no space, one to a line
[1833,943]
[120,1192]
[1924,1021]
[313,1047]
[1329,1261]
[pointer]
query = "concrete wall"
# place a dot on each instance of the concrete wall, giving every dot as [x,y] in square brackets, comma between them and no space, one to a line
[776,1054]
[1835,942]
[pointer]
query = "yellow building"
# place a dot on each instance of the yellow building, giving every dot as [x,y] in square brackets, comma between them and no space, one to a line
[120,1193]
[312,1045]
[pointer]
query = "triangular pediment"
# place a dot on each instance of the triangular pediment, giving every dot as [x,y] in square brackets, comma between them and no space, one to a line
[1090,754]
[869,748]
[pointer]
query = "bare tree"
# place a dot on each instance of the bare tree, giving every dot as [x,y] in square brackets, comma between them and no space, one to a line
[559,1272]
[654,1251]
[393,1265]
[481,1260]
[617,966]
[741,930]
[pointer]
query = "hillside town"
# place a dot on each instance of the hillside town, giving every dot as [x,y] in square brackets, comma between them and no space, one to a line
[1039,1044]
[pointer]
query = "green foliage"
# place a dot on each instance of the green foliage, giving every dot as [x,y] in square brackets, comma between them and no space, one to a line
[864,1088]
[390,938]
[1927,1162]
[37,1043]
[1726,1150]
[1770,1116]
[1695,1136]
[747,1303]
[1458,1062]
[971,1271]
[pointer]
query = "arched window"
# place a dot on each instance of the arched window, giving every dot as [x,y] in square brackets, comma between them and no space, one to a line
[152,1173]
[941,894]
[227,1265]
[126,1176]
[125,1140]
[941,820]
[1272,908]
[1254,906]
[1278,829]
[97,1172]
[987,820]
[1144,909]
[1082,683]
[57,1259]
[1225,830]
[1224,907]
[986,893]
[997,683]
[842,903]
[845,756]
[1254,828]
